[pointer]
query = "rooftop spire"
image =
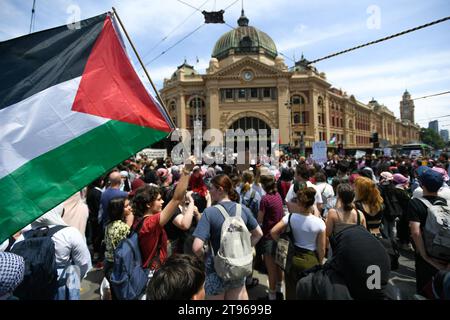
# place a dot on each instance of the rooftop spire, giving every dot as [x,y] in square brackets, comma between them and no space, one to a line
[243,20]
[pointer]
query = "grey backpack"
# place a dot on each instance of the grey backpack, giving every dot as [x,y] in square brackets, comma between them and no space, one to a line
[234,259]
[437,230]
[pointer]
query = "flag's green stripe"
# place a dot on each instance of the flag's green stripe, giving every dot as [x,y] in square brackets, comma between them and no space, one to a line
[49,179]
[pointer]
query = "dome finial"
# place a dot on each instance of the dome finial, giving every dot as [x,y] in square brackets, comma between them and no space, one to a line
[243,20]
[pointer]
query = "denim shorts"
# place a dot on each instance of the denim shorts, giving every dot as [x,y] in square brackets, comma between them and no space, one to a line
[269,247]
[214,285]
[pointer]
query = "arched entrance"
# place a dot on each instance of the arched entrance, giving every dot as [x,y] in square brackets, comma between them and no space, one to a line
[247,123]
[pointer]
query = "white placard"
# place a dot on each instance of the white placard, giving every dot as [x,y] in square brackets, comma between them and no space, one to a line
[360,154]
[387,152]
[415,153]
[154,153]
[320,151]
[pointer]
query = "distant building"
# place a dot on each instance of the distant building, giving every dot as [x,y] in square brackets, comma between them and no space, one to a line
[407,107]
[444,135]
[248,86]
[434,125]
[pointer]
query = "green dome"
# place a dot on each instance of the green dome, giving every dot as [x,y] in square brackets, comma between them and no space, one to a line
[244,40]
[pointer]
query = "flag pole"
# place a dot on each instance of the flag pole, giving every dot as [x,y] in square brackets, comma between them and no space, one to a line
[143,67]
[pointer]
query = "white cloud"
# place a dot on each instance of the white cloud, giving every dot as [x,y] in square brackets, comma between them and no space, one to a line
[399,66]
[303,35]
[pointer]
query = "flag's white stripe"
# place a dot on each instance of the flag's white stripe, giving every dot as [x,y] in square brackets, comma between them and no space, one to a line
[41,123]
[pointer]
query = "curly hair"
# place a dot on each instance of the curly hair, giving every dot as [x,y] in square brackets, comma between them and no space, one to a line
[366,191]
[144,196]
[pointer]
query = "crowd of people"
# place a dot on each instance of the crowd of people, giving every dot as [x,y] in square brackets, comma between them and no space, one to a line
[343,217]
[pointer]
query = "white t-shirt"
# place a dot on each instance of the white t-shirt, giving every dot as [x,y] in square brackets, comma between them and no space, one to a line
[291,194]
[326,191]
[305,230]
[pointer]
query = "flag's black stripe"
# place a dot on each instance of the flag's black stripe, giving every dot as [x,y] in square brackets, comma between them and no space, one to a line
[35,62]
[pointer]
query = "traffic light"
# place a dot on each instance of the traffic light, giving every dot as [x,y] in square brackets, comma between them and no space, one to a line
[374,140]
[374,137]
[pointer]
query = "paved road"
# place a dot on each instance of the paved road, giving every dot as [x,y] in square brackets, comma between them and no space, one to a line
[403,278]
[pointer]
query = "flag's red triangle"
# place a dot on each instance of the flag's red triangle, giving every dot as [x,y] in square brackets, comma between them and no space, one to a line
[110,87]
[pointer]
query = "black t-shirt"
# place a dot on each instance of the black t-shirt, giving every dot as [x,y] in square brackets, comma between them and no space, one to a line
[417,210]
[173,232]
[354,251]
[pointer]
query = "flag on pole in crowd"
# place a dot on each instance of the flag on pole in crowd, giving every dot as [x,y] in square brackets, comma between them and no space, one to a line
[333,140]
[71,108]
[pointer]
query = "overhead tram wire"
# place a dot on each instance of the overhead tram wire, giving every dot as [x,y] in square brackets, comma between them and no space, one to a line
[172,31]
[380,40]
[432,95]
[176,43]
[186,36]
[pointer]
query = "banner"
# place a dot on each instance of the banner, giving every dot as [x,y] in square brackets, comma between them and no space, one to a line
[320,151]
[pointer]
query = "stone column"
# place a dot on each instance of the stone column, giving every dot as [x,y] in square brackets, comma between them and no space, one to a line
[181,111]
[313,111]
[213,115]
[283,112]
[326,104]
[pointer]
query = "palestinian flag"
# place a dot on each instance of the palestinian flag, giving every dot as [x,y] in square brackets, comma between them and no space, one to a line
[71,108]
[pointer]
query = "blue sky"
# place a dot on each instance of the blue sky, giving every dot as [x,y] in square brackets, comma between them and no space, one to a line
[419,61]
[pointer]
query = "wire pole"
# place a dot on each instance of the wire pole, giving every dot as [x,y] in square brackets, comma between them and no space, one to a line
[32,16]
[143,67]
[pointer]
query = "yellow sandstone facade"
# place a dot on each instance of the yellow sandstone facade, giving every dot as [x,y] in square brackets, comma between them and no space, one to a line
[248,85]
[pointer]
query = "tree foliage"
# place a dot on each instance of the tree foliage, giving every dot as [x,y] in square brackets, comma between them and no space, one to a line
[430,137]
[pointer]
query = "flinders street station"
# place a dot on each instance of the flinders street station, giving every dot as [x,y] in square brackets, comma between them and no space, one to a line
[248,85]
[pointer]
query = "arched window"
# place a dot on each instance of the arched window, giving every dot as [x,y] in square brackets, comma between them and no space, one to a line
[297,99]
[320,102]
[196,102]
[196,108]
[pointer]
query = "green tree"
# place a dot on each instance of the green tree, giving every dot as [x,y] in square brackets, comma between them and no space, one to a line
[430,137]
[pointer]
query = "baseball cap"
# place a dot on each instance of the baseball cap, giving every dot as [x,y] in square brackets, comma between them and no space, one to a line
[431,180]
[421,170]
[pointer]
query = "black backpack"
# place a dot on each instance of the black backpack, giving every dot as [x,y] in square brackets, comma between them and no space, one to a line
[40,281]
[392,208]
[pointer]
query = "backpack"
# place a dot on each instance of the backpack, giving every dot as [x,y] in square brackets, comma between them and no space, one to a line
[248,203]
[128,278]
[234,259]
[40,281]
[436,232]
[392,208]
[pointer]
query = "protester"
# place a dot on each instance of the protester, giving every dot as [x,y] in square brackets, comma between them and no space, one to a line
[117,229]
[270,213]
[113,191]
[426,266]
[147,206]
[12,270]
[369,201]
[344,215]
[209,228]
[181,277]
[309,238]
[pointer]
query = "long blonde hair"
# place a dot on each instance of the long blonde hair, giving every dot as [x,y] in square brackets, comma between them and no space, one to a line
[367,192]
